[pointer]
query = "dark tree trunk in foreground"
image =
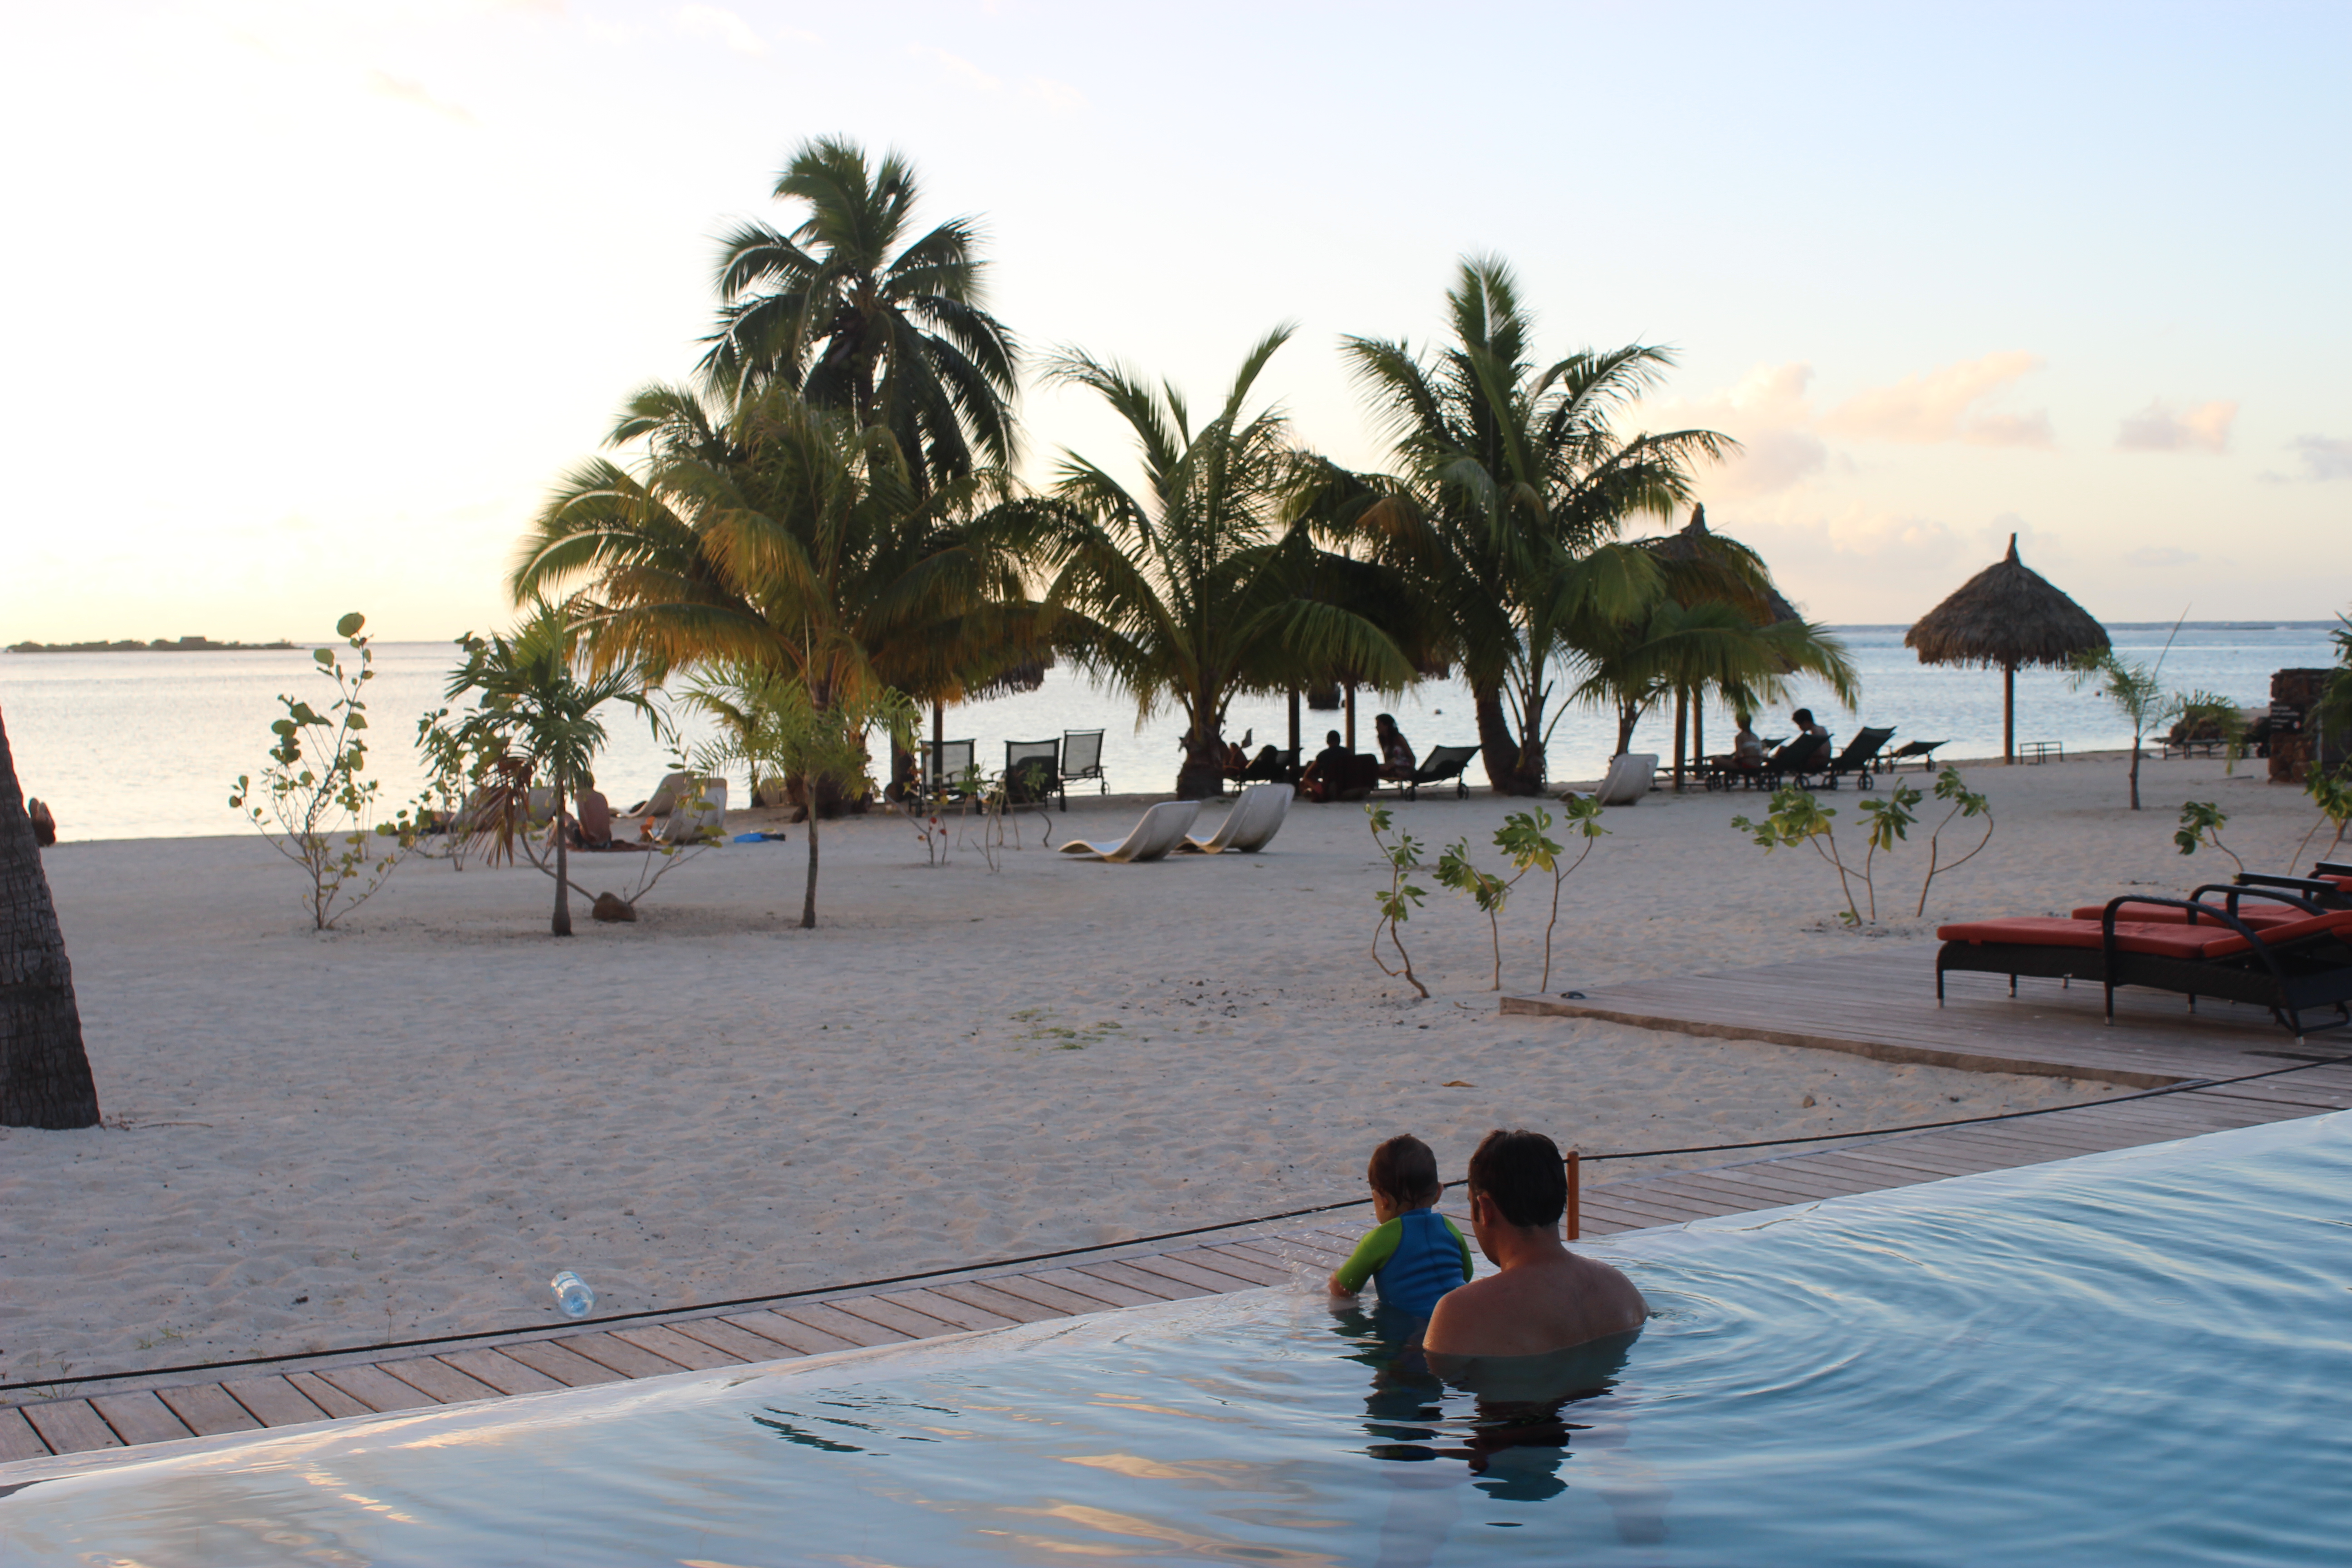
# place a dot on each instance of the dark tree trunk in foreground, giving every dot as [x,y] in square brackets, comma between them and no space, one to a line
[44,1072]
[808,895]
[1498,748]
[562,924]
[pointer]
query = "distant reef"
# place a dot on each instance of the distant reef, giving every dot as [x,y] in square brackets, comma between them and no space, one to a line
[161,644]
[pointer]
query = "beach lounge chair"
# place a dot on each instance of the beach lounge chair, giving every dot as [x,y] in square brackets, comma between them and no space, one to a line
[1923,751]
[697,817]
[1858,755]
[1628,779]
[665,796]
[2290,967]
[1255,818]
[1161,830]
[1082,761]
[1792,763]
[1032,772]
[944,763]
[1442,763]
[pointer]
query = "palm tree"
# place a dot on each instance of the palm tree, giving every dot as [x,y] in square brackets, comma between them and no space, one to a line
[778,538]
[44,1078]
[536,706]
[854,315]
[1631,661]
[1192,591]
[1508,475]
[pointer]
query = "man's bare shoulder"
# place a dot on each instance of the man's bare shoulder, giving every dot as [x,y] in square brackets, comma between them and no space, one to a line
[1535,1308]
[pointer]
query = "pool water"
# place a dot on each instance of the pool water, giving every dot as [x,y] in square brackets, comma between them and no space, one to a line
[2142,1357]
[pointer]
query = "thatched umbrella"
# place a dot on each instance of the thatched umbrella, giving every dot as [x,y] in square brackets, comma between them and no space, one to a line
[2006,615]
[1739,574]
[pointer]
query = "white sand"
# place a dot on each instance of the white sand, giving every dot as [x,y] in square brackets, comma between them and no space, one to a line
[406,1127]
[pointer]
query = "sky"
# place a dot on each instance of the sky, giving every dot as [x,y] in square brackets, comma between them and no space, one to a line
[311,304]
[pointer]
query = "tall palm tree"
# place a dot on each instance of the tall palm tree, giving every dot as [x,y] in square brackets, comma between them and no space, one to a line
[43,1071]
[1193,590]
[1508,475]
[857,316]
[779,538]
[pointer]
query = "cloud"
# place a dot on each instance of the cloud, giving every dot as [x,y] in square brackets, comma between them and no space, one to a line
[959,65]
[2160,555]
[400,90]
[1058,96]
[721,26]
[1768,414]
[2157,428]
[2323,457]
[1941,405]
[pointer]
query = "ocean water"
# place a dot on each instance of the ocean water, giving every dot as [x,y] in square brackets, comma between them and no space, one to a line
[2130,1358]
[126,745]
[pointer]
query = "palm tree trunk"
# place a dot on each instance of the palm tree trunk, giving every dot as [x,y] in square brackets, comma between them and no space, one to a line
[1498,750]
[1529,768]
[44,1078]
[808,894]
[1682,725]
[562,924]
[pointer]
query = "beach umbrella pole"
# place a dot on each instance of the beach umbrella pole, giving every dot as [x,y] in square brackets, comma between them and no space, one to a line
[2007,714]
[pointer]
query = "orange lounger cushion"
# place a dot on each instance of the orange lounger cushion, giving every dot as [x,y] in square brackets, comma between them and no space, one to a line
[2133,936]
[2336,920]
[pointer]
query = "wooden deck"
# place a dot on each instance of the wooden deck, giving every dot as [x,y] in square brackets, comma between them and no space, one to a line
[1883,1004]
[1869,1005]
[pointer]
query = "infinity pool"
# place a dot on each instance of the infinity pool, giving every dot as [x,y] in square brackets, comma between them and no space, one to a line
[2142,1357]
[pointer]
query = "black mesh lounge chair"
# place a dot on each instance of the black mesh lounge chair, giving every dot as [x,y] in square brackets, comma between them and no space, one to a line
[1082,760]
[1793,763]
[1923,751]
[1442,763]
[1033,772]
[1857,756]
[944,764]
[2202,949]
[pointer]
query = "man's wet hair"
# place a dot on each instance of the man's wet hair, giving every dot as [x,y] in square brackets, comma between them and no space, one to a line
[1522,1174]
[1403,1169]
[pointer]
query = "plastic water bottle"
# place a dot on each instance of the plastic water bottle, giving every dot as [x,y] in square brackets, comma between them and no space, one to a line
[573,1297]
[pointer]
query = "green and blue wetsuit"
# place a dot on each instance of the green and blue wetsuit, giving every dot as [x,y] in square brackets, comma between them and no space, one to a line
[1414,1259]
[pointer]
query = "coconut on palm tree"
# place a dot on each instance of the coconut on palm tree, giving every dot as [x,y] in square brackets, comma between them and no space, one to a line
[1193,590]
[858,313]
[1508,475]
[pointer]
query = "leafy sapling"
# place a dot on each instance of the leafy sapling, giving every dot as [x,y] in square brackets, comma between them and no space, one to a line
[1525,837]
[1484,889]
[1396,900]
[2201,822]
[1795,817]
[313,804]
[1967,804]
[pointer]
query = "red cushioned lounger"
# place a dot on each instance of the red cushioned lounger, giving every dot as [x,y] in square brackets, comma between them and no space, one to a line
[2291,967]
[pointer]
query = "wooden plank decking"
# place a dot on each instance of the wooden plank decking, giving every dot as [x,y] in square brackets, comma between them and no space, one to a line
[1869,1005]
[1883,1004]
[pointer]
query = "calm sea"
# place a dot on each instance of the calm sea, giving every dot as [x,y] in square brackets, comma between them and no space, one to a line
[128,746]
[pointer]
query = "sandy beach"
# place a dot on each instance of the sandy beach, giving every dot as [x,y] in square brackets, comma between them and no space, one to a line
[403,1127]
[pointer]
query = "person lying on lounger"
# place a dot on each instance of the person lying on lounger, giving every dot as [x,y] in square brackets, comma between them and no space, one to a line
[1545,1298]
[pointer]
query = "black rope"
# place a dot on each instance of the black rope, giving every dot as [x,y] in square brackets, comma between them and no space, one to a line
[705,1308]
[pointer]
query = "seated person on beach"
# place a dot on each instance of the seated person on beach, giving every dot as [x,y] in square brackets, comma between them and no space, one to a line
[1746,749]
[1414,1254]
[1328,773]
[1804,720]
[591,818]
[1396,757]
[1265,768]
[1545,1298]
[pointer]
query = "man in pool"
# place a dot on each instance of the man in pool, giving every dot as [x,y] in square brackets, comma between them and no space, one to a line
[1545,1298]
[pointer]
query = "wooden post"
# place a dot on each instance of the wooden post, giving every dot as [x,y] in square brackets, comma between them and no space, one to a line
[1296,761]
[1575,1199]
[1682,725]
[1351,716]
[2007,713]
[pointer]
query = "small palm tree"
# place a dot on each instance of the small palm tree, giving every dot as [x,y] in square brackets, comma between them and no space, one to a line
[1631,661]
[1192,591]
[1508,475]
[852,312]
[536,704]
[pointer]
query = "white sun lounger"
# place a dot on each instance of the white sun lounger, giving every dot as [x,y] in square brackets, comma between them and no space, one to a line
[1254,818]
[690,818]
[1628,778]
[1162,829]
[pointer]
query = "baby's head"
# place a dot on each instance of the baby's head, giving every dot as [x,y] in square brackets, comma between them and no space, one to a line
[1404,1172]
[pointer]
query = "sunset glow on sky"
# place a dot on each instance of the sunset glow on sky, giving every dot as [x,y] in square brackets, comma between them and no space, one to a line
[310,304]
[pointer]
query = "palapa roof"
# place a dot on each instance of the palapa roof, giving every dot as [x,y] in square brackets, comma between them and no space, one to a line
[2006,615]
[1696,541]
